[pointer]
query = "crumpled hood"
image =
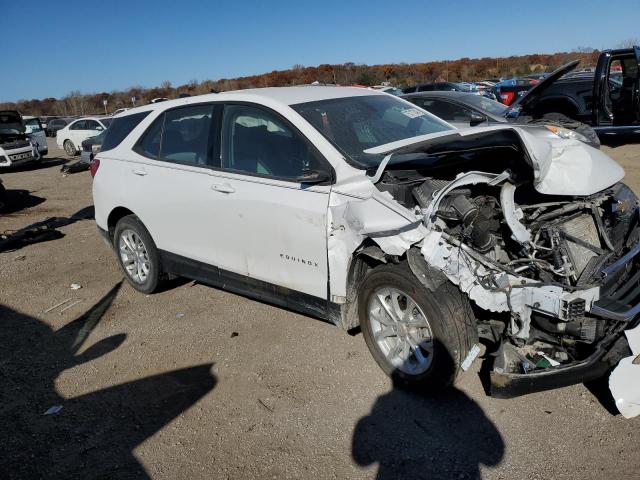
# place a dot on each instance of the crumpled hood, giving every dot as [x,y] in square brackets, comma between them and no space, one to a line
[560,166]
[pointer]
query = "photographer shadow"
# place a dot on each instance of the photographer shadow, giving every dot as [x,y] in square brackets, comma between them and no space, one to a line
[419,436]
[93,435]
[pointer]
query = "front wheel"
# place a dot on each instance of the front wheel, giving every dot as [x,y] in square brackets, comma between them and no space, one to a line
[416,336]
[137,254]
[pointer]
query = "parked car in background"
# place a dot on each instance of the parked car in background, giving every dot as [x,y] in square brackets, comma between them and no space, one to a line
[91,146]
[510,90]
[44,120]
[33,127]
[71,137]
[388,89]
[56,124]
[16,147]
[118,111]
[437,86]
[360,208]
[464,110]
[607,99]
[482,90]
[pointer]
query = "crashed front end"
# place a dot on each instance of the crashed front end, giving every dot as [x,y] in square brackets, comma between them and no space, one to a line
[541,236]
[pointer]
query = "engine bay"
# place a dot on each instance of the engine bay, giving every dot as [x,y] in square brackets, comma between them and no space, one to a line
[532,263]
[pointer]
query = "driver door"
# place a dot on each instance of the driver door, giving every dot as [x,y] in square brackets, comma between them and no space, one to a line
[277,224]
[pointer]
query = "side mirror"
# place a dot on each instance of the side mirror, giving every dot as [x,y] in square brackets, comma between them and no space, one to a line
[313,176]
[476,119]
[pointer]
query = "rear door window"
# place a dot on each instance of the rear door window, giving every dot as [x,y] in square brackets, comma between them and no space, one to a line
[149,144]
[181,135]
[79,125]
[121,127]
[187,135]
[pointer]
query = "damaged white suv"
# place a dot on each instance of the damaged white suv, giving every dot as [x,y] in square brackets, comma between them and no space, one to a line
[360,208]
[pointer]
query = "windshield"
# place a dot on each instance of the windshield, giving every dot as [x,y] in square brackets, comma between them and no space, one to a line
[488,105]
[354,124]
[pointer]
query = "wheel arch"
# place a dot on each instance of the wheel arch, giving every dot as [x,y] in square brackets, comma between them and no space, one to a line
[114,217]
[366,257]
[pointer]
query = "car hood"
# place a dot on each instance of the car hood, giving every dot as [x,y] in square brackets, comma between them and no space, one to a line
[525,101]
[560,166]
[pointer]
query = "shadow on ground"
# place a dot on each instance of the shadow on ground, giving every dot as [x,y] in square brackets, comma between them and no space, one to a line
[443,435]
[446,436]
[615,141]
[17,200]
[47,162]
[93,435]
[42,231]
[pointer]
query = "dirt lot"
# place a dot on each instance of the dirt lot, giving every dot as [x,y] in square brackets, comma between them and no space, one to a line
[195,382]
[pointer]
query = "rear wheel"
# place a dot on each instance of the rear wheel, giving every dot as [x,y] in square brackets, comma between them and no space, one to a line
[69,148]
[416,336]
[137,254]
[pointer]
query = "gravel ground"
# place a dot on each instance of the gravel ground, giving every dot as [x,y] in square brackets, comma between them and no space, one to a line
[195,382]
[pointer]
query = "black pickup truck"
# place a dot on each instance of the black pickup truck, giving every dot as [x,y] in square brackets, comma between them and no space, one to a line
[608,99]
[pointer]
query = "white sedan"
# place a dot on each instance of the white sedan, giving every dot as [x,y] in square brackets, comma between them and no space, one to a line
[362,209]
[71,137]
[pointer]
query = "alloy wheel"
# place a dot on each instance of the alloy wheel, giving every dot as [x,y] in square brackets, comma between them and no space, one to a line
[401,330]
[134,256]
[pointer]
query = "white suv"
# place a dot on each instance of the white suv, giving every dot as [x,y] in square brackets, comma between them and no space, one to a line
[358,207]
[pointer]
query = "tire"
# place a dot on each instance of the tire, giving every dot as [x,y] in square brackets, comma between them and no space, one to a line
[450,325]
[130,232]
[70,148]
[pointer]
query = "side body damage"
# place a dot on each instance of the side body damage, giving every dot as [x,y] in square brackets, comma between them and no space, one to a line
[541,237]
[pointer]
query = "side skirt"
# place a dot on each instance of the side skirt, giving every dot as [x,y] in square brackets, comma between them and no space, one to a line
[247,286]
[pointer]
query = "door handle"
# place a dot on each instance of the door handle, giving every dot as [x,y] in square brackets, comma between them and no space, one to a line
[142,173]
[223,188]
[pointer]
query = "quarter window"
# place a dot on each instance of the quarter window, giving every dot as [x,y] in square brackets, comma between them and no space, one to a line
[149,144]
[258,142]
[118,130]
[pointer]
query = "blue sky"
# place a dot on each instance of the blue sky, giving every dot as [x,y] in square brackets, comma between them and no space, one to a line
[50,48]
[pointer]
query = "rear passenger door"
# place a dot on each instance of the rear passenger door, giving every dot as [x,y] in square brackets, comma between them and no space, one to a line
[171,180]
[277,223]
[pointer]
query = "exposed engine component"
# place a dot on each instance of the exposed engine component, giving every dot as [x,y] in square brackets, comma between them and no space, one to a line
[536,257]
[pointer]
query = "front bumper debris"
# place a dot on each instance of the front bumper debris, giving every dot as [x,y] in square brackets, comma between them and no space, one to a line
[619,301]
[624,381]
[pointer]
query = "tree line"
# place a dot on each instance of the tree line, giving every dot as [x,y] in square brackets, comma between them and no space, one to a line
[400,74]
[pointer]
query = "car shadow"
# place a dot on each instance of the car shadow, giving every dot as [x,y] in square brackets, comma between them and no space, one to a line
[47,162]
[47,435]
[42,231]
[417,435]
[17,200]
